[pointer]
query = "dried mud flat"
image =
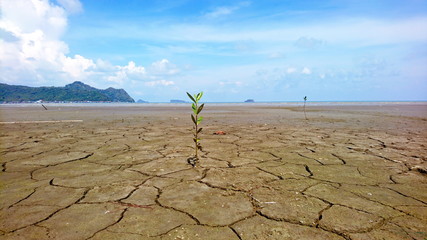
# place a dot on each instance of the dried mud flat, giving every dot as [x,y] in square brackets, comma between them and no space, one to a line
[349,172]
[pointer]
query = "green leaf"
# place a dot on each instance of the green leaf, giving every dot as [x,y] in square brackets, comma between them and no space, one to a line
[199,96]
[200,108]
[200,119]
[191,97]
[194,120]
[194,107]
[199,130]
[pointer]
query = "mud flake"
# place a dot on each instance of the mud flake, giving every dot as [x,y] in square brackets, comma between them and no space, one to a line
[322,156]
[209,205]
[149,222]
[338,196]
[243,178]
[81,221]
[259,228]
[143,196]
[212,163]
[102,178]
[160,182]
[340,174]
[21,165]
[189,174]
[344,219]
[287,170]
[13,192]
[383,195]
[162,166]
[57,157]
[389,231]
[28,233]
[53,196]
[417,211]
[197,232]
[257,155]
[415,227]
[410,177]
[21,216]
[417,191]
[289,156]
[105,234]
[290,206]
[133,157]
[69,170]
[110,192]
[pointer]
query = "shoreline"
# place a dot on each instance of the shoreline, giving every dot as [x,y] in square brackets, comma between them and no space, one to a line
[290,103]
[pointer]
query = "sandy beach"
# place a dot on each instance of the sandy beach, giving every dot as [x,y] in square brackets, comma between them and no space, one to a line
[351,171]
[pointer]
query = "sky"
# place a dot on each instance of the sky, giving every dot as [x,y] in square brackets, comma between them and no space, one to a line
[266,50]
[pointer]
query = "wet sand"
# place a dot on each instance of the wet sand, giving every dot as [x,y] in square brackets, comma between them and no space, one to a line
[348,172]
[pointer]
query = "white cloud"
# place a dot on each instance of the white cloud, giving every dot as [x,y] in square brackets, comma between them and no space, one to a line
[351,31]
[291,70]
[220,11]
[225,10]
[308,43]
[235,83]
[76,66]
[275,55]
[32,53]
[72,6]
[159,82]
[306,70]
[163,67]
[121,74]
[131,68]
[24,16]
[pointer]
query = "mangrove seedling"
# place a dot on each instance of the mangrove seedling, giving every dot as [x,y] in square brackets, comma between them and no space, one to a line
[196,120]
[305,100]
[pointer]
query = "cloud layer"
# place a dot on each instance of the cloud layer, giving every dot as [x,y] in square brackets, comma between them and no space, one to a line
[32,52]
[238,50]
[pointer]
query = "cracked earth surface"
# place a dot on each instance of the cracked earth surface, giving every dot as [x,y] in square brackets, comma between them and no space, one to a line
[346,173]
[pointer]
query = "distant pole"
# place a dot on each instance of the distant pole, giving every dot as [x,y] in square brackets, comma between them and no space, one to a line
[305,99]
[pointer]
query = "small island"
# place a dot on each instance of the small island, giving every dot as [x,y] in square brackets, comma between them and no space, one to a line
[249,101]
[177,101]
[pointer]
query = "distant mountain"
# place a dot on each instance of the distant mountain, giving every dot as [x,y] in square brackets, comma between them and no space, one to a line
[141,101]
[250,101]
[76,91]
[177,101]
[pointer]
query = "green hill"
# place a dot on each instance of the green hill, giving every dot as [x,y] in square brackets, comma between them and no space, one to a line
[73,92]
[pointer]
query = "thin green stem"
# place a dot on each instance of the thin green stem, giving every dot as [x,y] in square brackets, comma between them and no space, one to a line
[196,134]
[195,118]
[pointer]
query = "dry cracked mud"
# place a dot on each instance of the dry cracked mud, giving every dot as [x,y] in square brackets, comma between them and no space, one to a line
[349,172]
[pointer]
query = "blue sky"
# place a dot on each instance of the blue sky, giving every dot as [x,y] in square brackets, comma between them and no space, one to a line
[270,50]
